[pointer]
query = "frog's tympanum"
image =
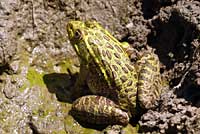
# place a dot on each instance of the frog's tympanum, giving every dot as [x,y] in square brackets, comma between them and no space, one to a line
[117,85]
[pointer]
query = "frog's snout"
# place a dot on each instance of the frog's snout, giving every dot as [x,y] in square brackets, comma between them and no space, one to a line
[70,30]
[69,26]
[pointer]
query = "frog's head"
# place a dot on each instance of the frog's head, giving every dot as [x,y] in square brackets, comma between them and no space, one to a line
[78,35]
[74,29]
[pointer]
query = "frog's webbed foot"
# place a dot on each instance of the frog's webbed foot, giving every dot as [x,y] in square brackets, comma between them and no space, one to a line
[98,110]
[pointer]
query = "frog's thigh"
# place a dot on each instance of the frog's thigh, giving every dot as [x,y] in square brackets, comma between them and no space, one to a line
[98,110]
[149,80]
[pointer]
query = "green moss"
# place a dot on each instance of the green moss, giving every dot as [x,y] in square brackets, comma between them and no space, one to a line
[21,89]
[75,128]
[3,115]
[35,78]
[52,65]
[59,132]
[129,129]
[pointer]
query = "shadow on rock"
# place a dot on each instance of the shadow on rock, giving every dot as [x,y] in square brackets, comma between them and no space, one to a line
[5,68]
[59,83]
[191,93]
[172,40]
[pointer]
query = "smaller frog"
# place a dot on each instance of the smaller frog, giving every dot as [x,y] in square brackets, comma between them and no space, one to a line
[117,85]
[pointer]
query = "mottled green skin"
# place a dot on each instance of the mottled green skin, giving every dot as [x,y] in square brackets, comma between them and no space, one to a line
[149,80]
[108,71]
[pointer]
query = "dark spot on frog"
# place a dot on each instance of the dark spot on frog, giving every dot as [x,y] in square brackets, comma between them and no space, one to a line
[145,72]
[114,74]
[129,83]
[118,62]
[135,76]
[96,51]
[118,49]
[122,95]
[131,95]
[123,78]
[143,77]
[127,90]
[105,63]
[104,53]
[106,38]
[117,55]
[109,45]
[97,42]
[115,67]
[87,101]
[125,70]
[130,68]
[97,98]
[108,54]
[150,66]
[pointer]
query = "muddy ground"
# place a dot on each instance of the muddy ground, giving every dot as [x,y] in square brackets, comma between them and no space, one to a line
[38,66]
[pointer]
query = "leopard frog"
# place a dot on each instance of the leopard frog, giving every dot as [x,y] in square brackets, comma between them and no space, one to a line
[117,85]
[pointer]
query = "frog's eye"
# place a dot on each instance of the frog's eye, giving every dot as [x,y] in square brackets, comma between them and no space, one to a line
[77,34]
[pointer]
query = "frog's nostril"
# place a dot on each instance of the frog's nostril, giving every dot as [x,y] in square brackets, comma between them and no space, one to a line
[69,26]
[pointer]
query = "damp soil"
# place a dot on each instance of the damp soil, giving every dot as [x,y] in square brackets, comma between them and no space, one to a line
[38,66]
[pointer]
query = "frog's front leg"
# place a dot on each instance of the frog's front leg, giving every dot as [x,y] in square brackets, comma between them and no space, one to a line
[149,80]
[98,110]
[80,81]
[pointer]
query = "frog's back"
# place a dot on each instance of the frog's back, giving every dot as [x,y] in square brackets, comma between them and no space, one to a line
[117,76]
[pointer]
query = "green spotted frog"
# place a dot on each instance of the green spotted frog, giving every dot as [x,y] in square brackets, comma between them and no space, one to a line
[117,85]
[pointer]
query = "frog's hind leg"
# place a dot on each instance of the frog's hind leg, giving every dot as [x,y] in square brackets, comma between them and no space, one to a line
[98,110]
[149,80]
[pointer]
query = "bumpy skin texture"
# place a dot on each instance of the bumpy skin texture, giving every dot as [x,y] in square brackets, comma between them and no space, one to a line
[107,69]
[149,80]
[99,110]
